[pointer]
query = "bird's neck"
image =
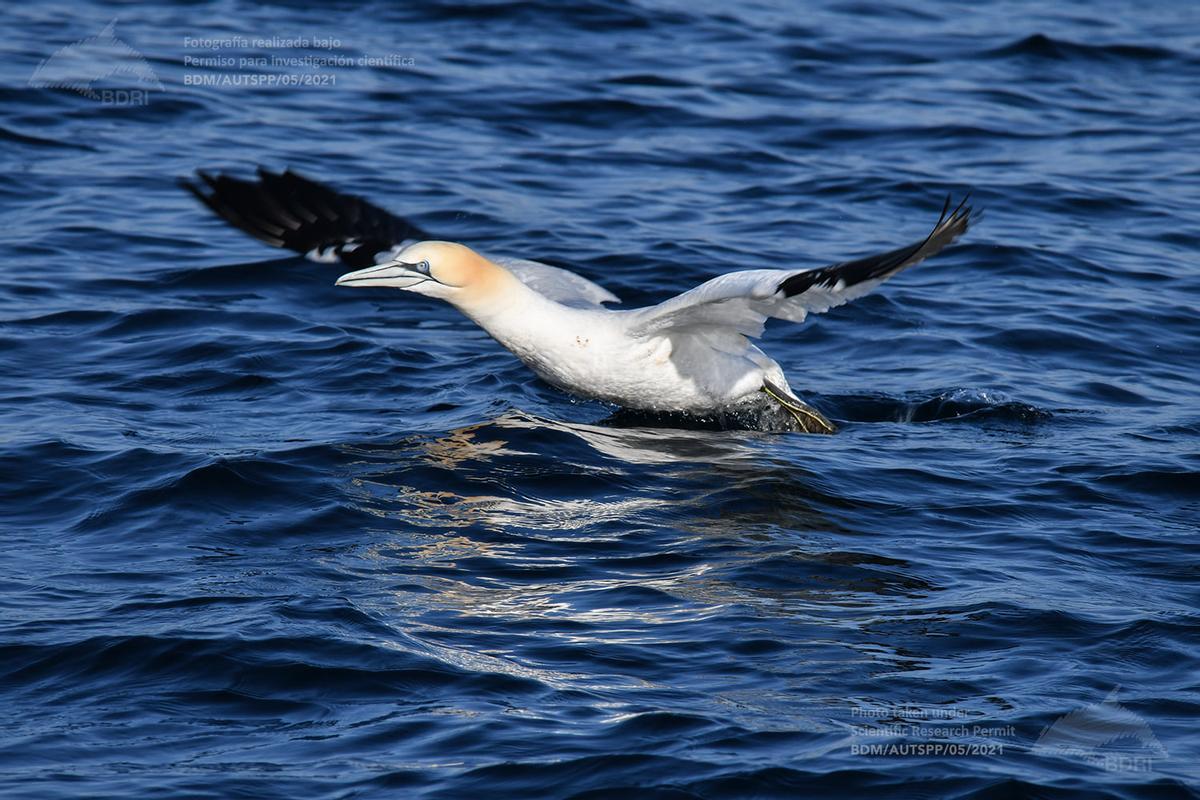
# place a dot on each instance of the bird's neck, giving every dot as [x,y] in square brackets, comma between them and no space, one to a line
[515,315]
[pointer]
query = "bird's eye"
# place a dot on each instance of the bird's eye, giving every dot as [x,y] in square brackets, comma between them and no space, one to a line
[423,268]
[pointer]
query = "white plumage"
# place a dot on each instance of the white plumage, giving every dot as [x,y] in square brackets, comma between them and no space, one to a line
[690,354]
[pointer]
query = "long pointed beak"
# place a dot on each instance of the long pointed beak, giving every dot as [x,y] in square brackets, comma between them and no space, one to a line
[395,274]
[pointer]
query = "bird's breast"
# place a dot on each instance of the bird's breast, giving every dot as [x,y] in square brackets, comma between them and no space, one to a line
[591,354]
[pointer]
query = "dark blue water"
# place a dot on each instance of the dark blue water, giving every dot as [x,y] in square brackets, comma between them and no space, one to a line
[267,538]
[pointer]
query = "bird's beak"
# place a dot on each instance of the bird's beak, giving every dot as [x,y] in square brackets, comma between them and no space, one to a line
[395,274]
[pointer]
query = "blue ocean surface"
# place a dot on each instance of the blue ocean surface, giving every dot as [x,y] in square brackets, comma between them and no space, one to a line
[265,538]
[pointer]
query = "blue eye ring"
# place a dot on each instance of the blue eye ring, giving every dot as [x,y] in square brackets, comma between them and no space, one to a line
[423,268]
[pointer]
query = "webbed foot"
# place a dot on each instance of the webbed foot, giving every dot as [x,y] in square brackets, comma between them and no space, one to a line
[808,418]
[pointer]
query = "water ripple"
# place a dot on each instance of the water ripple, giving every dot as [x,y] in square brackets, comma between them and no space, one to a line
[267,538]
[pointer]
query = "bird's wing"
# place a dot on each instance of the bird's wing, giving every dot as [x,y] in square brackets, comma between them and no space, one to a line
[292,212]
[742,302]
[558,284]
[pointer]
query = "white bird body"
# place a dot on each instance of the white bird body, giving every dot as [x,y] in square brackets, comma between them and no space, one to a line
[631,358]
[596,353]
[690,354]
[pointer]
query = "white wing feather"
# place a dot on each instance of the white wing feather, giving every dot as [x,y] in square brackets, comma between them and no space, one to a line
[560,285]
[743,301]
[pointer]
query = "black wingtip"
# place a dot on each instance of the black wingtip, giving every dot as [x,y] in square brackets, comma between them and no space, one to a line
[963,204]
[287,210]
[949,226]
[945,208]
[960,219]
[187,185]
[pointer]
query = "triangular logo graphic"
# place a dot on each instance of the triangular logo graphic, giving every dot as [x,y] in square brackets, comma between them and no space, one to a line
[100,59]
[1105,734]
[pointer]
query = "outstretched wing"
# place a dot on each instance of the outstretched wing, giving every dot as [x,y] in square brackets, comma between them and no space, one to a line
[560,285]
[287,210]
[290,211]
[743,301]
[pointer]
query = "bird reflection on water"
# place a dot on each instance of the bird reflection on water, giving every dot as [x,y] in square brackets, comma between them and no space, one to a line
[726,493]
[623,545]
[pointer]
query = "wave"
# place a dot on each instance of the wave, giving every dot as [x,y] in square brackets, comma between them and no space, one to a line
[1039,45]
[267,538]
[976,405]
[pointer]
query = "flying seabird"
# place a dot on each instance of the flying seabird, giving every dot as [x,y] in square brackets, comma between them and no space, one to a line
[689,356]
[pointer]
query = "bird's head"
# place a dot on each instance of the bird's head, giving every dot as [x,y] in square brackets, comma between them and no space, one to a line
[448,271]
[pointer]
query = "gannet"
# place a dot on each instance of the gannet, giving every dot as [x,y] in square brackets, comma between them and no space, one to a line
[688,356]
